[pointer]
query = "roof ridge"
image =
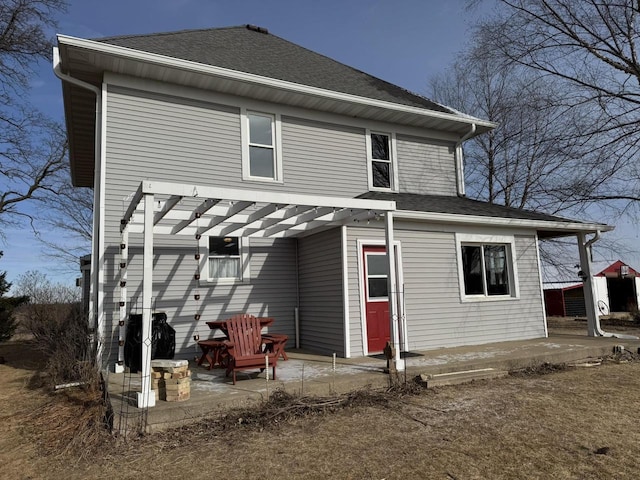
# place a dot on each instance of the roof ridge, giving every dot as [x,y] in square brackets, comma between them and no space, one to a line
[165,34]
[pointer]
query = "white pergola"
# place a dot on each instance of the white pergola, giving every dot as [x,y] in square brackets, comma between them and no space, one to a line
[196,210]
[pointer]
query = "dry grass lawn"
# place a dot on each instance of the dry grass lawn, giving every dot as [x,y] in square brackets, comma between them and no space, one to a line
[576,423]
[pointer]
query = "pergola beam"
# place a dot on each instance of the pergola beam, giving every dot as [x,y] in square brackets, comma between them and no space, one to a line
[166,208]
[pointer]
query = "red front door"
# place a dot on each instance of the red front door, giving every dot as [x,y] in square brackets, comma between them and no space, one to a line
[376,297]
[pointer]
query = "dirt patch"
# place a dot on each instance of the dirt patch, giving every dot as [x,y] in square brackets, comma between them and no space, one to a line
[573,423]
[578,325]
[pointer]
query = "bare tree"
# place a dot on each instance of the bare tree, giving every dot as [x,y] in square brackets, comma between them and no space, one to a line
[537,148]
[71,212]
[538,158]
[32,147]
[591,47]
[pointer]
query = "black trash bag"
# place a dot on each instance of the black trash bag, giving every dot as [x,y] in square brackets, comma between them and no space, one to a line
[163,340]
[133,343]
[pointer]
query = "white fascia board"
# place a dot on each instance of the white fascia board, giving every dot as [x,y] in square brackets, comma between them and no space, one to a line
[501,221]
[186,190]
[195,67]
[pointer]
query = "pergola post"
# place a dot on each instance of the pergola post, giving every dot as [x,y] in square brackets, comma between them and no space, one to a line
[392,283]
[590,296]
[147,397]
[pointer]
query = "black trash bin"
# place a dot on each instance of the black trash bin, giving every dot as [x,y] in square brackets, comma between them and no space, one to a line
[163,340]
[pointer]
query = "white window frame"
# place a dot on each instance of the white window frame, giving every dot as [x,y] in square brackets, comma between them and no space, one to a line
[371,299]
[512,267]
[393,162]
[244,263]
[276,133]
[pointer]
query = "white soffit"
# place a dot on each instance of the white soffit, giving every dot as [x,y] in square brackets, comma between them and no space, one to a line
[181,209]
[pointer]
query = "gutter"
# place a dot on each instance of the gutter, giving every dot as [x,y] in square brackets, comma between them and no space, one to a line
[96,313]
[589,259]
[465,219]
[228,74]
[460,160]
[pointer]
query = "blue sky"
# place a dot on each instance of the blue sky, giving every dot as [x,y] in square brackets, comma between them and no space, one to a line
[404,42]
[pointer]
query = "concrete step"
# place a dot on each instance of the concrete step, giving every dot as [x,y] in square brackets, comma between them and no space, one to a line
[466,376]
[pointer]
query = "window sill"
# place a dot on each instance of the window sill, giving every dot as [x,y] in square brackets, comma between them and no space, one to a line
[227,281]
[261,180]
[380,189]
[483,298]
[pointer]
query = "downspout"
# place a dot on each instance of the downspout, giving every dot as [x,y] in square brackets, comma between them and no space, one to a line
[460,160]
[95,290]
[589,278]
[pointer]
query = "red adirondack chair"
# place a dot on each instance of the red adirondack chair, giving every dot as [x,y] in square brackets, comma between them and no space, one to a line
[244,347]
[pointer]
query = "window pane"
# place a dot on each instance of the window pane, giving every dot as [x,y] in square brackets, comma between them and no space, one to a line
[381,176]
[377,265]
[224,246]
[377,288]
[472,267]
[495,260]
[380,146]
[261,162]
[224,267]
[260,129]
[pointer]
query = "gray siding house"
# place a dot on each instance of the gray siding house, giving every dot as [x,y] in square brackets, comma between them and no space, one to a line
[234,172]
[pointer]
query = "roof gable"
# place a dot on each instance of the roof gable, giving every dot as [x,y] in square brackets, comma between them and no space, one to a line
[616,270]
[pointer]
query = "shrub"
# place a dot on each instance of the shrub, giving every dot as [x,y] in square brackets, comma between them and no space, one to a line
[62,335]
[8,323]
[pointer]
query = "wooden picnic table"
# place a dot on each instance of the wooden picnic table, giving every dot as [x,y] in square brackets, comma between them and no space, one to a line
[214,350]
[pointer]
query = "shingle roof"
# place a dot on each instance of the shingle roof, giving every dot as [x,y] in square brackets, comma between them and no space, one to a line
[459,206]
[248,50]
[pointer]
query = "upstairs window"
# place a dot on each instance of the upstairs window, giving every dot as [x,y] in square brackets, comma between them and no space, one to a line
[260,149]
[380,150]
[224,258]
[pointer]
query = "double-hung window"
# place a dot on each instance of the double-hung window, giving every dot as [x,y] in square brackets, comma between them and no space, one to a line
[381,161]
[260,148]
[486,267]
[225,260]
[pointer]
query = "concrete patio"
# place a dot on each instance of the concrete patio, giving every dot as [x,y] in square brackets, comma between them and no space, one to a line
[212,392]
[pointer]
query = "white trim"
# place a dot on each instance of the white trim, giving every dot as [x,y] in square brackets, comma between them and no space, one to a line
[393,161]
[458,219]
[544,308]
[224,73]
[276,137]
[463,238]
[368,298]
[100,261]
[363,310]
[345,292]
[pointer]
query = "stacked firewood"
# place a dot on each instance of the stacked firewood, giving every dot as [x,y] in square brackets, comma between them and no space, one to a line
[171,380]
